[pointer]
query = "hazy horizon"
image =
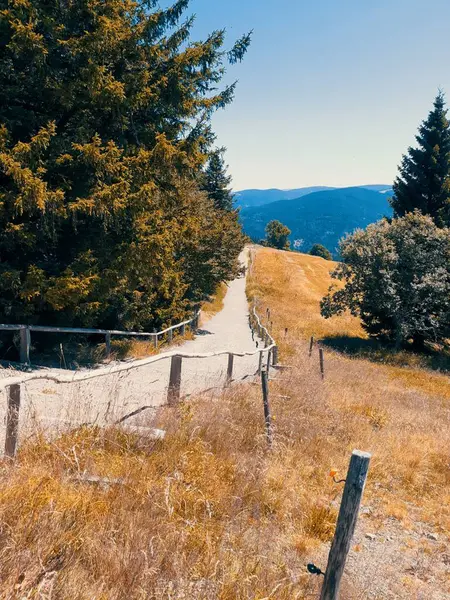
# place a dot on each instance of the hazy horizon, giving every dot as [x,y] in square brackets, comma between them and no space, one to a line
[330,93]
[296,187]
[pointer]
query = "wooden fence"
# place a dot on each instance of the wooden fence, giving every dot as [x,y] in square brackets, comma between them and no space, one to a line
[13,384]
[25,334]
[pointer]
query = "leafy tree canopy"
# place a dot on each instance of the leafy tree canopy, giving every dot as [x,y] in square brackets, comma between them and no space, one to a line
[277,235]
[397,279]
[424,175]
[104,129]
[320,250]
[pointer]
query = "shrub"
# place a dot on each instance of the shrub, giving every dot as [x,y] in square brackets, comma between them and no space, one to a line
[319,250]
[397,279]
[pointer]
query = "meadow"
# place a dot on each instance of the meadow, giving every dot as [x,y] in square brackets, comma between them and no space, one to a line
[210,512]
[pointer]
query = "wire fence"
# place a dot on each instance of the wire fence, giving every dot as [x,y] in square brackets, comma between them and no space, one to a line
[110,394]
[155,336]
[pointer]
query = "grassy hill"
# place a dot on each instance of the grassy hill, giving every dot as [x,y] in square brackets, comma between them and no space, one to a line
[209,513]
[320,217]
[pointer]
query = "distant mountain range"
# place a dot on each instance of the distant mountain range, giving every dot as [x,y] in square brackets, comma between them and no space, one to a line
[314,215]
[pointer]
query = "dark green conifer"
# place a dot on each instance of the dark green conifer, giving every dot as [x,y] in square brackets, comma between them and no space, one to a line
[424,174]
[105,122]
[216,182]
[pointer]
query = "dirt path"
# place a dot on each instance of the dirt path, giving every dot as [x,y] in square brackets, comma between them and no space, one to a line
[109,398]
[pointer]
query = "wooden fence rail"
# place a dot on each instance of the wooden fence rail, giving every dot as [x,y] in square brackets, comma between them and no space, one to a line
[25,334]
[13,384]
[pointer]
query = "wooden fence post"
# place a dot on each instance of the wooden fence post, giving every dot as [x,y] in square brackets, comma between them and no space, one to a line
[25,339]
[269,356]
[260,359]
[173,395]
[267,416]
[170,336]
[230,368]
[348,515]
[183,330]
[12,420]
[197,316]
[155,338]
[311,345]
[322,364]
[108,345]
[275,356]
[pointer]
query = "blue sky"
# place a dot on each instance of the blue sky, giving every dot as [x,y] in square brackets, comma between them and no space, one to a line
[331,91]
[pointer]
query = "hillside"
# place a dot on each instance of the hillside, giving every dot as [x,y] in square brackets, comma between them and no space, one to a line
[320,217]
[254,197]
[250,198]
[208,513]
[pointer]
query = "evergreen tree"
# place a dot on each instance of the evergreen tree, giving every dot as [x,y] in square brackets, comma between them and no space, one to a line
[216,182]
[319,250]
[104,127]
[424,179]
[277,235]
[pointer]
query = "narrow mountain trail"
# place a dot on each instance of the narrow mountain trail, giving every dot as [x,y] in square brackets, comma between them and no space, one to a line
[133,393]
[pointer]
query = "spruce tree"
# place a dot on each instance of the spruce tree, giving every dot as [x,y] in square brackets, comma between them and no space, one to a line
[424,174]
[105,114]
[216,182]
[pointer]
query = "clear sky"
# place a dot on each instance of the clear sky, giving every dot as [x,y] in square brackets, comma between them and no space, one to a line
[331,91]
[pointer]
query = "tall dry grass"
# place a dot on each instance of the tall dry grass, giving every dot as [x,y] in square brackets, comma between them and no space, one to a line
[209,512]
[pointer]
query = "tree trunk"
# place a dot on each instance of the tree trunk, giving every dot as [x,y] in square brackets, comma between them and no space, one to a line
[418,342]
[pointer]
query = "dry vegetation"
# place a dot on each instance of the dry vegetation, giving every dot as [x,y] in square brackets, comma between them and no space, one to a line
[210,513]
[215,305]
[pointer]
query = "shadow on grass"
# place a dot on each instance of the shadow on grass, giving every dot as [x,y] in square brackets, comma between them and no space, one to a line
[434,358]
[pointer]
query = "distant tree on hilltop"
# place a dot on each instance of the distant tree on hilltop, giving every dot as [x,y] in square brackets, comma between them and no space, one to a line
[216,182]
[424,179]
[319,250]
[277,235]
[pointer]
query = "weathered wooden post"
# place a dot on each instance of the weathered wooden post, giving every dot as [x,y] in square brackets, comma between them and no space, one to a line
[108,344]
[260,359]
[183,330]
[170,336]
[25,340]
[155,338]
[230,368]
[269,356]
[348,515]
[173,395]
[267,416]
[322,364]
[12,421]
[275,356]
[311,345]
[197,316]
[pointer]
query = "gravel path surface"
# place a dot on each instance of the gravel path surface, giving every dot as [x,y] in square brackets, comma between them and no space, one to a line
[110,398]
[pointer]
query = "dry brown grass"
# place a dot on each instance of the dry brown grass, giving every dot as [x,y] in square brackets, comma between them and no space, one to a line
[293,284]
[215,305]
[210,513]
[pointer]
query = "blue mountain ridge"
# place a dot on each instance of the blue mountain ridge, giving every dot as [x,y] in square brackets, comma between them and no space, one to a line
[323,216]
